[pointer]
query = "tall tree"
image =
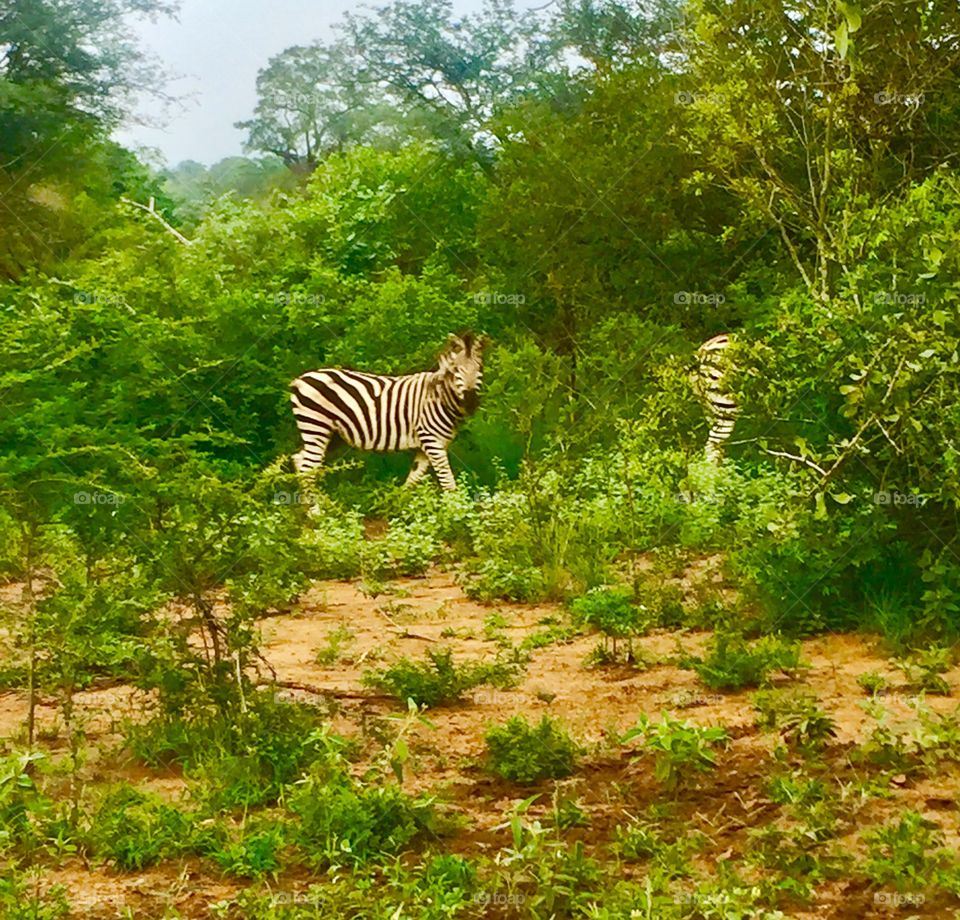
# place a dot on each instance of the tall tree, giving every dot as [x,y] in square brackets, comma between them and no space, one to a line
[309,104]
[455,72]
[67,72]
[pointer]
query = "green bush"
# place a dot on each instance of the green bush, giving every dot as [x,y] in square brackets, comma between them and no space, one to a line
[613,612]
[733,663]
[527,754]
[240,759]
[341,821]
[439,680]
[677,745]
[22,806]
[255,852]
[132,829]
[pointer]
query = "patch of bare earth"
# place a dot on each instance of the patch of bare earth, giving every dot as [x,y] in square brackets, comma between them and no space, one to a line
[596,705]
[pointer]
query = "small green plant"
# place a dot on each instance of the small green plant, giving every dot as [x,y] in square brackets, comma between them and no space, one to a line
[613,612]
[568,813]
[798,717]
[524,753]
[21,803]
[255,852]
[924,670]
[677,746]
[439,680]
[796,789]
[132,829]
[906,854]
[554,634]
[872,682]
[329,654]
[641,840]
[342,821]
[733,663]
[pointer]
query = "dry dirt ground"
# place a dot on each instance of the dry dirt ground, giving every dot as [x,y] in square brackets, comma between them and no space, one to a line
[596,705]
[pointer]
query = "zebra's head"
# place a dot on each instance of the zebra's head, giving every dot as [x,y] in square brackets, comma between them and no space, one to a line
[461,364]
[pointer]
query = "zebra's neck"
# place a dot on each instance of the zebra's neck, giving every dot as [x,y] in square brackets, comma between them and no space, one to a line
[446,397]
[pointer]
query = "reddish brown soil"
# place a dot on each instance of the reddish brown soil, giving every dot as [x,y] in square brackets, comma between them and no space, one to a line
[596,705]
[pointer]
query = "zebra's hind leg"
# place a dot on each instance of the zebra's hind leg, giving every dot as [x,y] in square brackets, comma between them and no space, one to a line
[306,462]
[421,463]
[725,418]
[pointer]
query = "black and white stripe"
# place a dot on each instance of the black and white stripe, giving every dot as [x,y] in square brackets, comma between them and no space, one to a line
[720,405]
[375,412]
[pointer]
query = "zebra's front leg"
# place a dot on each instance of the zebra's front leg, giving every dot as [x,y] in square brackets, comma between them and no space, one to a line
[437,455]
[421,463]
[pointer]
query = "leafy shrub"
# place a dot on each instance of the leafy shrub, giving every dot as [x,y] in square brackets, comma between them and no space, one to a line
[342,821]
[677,745]
[242,758]
[335,541]
[21,898]
[255,852]
[907,854]
[645,840]
[21,803]
[732,663]
[496,578]
[613,612]
[134,830]
[439,680]
[924,671]
[798,717]
[526,754]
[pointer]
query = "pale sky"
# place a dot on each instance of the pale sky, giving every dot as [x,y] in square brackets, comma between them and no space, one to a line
[213,53]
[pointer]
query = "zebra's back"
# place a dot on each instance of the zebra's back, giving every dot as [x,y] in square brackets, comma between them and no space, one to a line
[369,411]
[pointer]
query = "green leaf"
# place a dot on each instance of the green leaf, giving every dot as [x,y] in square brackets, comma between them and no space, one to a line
[851,13]
[842,498]
[821,510]
[842,39]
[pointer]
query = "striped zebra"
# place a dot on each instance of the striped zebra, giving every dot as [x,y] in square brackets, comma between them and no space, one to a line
[719,404]
[375,412]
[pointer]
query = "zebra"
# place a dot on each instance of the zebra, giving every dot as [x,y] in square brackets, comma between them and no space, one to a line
[377,412]
[713,365]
